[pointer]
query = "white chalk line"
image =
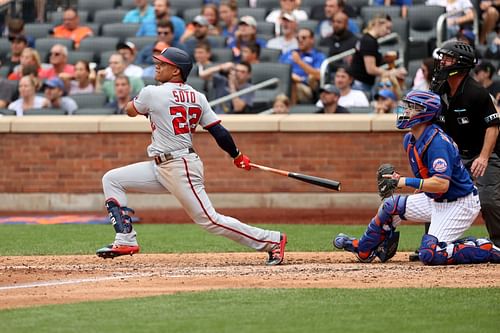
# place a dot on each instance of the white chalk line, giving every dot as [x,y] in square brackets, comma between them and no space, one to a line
[56,283]
[74,281]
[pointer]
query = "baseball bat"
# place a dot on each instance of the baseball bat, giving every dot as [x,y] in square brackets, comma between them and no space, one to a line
[323,182]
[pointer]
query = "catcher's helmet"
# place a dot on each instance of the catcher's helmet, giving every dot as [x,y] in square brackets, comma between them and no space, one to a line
[178,58]
[417,107]
[464,55]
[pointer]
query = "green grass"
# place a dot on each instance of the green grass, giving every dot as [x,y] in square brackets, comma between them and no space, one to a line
[166,238]
[250,310]
[273,310]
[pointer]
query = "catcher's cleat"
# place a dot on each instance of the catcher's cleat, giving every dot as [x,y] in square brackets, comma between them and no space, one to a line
[277,254]
[414,256]
[111,251]
[350,244]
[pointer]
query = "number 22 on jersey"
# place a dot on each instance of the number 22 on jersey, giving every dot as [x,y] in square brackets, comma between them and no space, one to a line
[179,119]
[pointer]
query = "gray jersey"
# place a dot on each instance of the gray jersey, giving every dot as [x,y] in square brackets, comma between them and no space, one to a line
[174,109]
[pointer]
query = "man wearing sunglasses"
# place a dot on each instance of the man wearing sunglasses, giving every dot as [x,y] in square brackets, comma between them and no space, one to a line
[71,28]
[164,34]
[58,58]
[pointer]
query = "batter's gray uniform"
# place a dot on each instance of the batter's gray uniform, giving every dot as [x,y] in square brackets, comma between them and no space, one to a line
[174,110]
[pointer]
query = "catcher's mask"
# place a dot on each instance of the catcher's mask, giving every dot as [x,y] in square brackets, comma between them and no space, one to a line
[418,107]
[461,55]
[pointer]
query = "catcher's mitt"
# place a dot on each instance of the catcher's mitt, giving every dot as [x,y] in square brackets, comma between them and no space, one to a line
[386,186]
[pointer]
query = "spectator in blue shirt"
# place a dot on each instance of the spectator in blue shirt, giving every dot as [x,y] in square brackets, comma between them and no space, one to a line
[161,8]
[246,33]
[165,34]
[142,12]
[402,3]
[305,62]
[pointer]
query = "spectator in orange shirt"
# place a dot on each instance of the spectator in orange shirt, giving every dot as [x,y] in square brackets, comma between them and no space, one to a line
[71,28]
[58,58]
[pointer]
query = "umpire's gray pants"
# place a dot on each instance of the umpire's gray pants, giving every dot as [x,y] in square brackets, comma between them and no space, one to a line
[489,195]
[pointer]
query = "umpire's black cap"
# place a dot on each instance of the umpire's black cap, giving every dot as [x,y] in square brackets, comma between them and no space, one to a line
[178,58]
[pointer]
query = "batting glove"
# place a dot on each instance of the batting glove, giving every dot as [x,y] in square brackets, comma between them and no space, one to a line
[242,161]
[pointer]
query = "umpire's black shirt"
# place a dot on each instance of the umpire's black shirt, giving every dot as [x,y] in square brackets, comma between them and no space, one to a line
[467,115]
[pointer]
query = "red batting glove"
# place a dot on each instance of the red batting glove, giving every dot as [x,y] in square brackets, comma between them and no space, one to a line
[242,161]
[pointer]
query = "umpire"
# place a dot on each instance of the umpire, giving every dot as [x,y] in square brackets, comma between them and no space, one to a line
[470,117]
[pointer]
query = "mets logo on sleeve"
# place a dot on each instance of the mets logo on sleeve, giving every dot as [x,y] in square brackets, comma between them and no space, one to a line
[439,165]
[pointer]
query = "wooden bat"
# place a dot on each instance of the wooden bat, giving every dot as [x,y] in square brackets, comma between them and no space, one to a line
[323,182]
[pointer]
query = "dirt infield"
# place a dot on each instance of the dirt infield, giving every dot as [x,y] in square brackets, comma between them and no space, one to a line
[31,281]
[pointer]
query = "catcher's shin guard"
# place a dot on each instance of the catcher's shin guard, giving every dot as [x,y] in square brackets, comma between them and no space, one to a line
[380,237]
[119,216]
[432,252]
[471,250]
[350,244]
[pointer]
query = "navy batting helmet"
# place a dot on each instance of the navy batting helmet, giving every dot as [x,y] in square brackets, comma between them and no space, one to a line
[417,107]
[178,58]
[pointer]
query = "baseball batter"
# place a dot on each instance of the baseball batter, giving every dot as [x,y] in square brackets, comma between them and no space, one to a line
[174,110]
[447,197]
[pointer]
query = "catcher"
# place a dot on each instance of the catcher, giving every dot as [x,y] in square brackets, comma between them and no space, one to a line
[445,196]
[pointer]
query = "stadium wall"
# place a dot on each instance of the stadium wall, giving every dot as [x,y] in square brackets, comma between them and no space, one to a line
[56,162]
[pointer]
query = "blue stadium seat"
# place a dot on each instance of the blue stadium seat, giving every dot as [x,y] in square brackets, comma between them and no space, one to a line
[105,16]
[44,112]
[7,112]
[259,14]
[94,5]
[38,30]
[94,111]
[56,17]
[120,30]
[94,100]
[182,5]
[98,44]
[74,56]
[360,109]
[303,108]
[270,55]
[43,45]
[4,46]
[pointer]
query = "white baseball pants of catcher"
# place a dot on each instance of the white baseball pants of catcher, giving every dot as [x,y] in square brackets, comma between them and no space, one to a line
[449,220]
[183,177]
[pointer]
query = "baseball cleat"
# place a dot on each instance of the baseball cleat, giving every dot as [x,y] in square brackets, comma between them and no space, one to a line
[277,254]
[343,241]
[112,251]
[414,256]
[350,244]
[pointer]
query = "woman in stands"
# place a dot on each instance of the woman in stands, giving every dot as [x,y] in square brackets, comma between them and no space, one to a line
[84,82]
[29,57]
[27,97]
[228,11]
[211,13]
[367,62]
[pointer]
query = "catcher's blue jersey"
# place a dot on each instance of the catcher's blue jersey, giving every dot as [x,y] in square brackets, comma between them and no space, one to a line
[435,154]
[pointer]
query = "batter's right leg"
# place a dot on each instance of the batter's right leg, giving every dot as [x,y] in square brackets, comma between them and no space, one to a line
[184,179]
[139,177]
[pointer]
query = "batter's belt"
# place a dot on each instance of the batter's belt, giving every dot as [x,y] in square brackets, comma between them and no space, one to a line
[165,157]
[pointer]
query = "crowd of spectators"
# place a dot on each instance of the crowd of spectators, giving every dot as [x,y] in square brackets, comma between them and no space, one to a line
[225,46]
